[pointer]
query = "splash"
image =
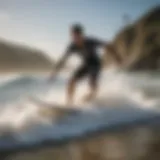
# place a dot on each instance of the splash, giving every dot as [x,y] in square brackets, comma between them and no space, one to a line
[116,89]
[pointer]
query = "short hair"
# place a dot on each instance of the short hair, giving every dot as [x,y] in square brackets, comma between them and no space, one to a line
[77,28]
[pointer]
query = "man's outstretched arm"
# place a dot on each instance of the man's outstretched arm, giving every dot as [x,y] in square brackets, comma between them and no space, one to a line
[111,50]
[107,46]
[60,64]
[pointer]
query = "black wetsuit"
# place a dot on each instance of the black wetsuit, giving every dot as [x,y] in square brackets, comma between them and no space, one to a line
[91,61]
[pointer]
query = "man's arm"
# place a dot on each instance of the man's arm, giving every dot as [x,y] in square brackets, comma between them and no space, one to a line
[109,48]
[99,42]
[59,65]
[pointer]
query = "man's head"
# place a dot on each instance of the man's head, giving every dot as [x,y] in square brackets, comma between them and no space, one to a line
[77,33]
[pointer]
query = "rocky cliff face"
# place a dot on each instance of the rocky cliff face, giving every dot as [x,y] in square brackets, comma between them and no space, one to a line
[18,58]
[138,44]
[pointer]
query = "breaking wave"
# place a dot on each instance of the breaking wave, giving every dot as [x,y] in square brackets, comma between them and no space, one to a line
[19,113]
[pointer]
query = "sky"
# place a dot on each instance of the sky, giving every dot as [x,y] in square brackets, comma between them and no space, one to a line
[44,24]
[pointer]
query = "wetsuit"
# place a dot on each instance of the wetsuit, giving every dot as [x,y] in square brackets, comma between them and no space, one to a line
[91,61]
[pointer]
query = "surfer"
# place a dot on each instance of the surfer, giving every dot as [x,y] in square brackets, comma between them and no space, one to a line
[86,49]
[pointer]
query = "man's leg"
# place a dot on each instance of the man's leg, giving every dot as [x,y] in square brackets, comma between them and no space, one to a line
[78,75]
[71,91]
[93,90]
[93,83]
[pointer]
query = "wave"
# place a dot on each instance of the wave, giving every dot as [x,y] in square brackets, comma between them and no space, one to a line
[7,78]
[23,85]
[141,88]
[117,89]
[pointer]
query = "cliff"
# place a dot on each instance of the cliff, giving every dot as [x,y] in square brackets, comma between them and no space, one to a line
[138,44]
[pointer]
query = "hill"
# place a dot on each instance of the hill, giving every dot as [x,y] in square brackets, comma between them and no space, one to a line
[138,44]
[20,58]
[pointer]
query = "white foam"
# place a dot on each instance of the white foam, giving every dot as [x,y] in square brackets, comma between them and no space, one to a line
[116,89]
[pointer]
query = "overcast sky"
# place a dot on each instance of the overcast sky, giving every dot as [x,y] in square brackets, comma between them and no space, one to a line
[45,23]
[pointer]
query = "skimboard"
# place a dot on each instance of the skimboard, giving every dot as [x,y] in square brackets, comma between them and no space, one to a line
[53,109]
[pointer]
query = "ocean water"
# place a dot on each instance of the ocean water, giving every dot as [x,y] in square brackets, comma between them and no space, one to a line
[27,120]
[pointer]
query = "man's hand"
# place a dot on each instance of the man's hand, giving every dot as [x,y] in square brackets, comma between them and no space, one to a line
[55,71]
[58,66]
